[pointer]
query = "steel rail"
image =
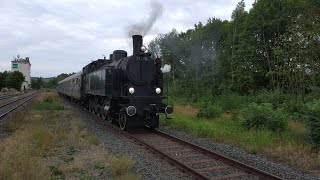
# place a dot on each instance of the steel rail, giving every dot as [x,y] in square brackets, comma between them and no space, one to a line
[28,98]
[234,163]
[11,102]
[184,168]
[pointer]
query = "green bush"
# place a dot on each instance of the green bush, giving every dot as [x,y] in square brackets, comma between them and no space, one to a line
[209,111]
[263,116]
[312,118]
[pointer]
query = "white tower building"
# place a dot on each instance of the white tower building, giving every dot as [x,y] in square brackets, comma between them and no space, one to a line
[23,66]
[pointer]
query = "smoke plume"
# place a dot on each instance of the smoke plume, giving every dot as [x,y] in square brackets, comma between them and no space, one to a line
[143,28]
[166,68]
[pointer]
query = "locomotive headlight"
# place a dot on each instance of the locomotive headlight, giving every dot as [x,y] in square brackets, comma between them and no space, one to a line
[131,90]
[158,90]
[143,48]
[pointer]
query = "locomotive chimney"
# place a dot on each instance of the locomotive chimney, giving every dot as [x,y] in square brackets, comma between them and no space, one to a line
[137,43]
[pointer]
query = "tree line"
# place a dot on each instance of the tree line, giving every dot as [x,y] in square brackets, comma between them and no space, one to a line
[275,46]
[39,82]
[15,79]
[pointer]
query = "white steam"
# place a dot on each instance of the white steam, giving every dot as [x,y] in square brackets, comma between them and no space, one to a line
[166,68]
[143,28]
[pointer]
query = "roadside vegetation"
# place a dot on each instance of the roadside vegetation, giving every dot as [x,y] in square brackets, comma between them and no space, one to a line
[50,142]
[252,81]
[273,124]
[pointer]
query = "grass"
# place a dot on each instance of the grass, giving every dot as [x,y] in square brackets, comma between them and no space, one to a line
[20,158]
[49,143]
[48,101]
[289,146]
[48,106]
[223,129]
[120,165]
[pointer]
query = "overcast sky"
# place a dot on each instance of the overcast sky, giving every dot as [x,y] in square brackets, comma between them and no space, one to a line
[62,36]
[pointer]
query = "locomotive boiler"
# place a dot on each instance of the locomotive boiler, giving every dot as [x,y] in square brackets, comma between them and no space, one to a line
[123,89]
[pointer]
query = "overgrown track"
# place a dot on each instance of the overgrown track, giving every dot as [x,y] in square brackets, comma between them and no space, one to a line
[10,106]
[192,159]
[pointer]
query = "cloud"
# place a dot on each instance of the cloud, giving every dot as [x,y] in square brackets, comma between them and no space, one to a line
[62,36]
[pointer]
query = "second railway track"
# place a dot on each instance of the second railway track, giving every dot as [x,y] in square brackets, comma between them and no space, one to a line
[8,107]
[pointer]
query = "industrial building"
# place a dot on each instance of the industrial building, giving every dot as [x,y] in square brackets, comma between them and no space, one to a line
[23,66]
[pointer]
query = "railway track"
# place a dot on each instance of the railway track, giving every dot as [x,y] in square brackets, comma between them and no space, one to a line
[191,159]
[194,160]
[6,108]
[197,161]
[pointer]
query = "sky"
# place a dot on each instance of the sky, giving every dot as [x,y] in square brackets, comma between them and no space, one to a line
[62,36]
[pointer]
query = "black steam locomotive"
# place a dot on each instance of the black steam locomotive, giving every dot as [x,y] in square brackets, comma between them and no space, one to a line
[124,89]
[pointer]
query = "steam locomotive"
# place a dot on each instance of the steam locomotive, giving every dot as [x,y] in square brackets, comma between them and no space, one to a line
[127,90]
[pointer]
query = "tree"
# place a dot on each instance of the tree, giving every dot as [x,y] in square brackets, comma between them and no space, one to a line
[3,77]
[53,82]
[37,83]
[15,80]
[275,46]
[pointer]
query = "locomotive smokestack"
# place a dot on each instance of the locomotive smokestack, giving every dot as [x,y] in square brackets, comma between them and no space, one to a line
[137,43]
[111,57]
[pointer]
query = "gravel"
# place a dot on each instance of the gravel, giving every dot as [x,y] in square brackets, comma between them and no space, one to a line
[148,165]
[278,169]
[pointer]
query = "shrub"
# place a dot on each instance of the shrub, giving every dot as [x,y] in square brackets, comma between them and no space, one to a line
[209,111]
[313,123]
[264,117]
